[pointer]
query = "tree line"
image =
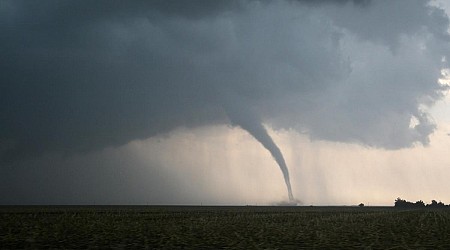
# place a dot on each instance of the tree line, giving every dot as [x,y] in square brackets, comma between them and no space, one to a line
[400,203]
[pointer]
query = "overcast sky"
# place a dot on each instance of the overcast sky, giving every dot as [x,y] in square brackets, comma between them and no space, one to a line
[189,102]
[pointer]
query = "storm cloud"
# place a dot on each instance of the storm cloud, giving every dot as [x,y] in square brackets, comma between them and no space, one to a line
[77,76]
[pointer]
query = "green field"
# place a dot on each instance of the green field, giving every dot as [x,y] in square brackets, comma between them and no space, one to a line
[223,227]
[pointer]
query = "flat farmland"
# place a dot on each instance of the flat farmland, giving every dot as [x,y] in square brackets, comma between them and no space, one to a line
[174,227]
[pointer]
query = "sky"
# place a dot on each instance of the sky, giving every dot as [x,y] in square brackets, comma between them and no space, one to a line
[204,102]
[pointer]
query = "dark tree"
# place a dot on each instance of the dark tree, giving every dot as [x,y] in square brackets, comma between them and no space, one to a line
[419,203]
[399,203]
[435,204]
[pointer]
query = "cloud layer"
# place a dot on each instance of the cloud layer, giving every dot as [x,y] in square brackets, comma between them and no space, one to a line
[77,77]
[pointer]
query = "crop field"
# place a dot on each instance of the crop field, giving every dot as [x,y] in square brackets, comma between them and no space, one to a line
[175,227]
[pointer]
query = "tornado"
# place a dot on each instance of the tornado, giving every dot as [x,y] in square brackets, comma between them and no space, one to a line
[259,132]
[250,122]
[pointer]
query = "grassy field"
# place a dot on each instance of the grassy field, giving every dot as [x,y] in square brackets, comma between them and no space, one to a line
[223,227]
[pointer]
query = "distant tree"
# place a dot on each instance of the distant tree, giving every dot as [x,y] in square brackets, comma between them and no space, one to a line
[419,203]
[400,203]
[435,204]
[407,204]
[361,205]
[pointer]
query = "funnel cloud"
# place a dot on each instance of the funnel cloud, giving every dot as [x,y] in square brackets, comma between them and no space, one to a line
[242,117]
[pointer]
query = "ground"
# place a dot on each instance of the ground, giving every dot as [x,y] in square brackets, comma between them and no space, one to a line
[174,227]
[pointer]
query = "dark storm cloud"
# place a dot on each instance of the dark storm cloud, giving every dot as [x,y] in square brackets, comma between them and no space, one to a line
[318,2]
[400,18]
[65,86]
[82,75]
